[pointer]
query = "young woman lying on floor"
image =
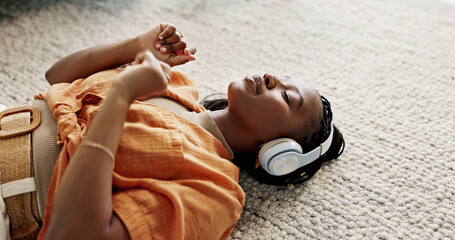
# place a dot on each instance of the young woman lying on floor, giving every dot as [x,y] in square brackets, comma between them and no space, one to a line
[140,158]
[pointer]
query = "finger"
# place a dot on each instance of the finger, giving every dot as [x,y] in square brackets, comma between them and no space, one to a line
[146,58]
[180,52]
[189,51]
[171,48]
[174,38]
[139,58]
[177,60]
[167,30]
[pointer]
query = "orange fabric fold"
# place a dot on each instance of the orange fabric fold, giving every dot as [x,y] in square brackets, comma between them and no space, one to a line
[172,178]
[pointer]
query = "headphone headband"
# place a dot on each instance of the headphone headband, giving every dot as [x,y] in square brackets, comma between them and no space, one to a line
[328,142]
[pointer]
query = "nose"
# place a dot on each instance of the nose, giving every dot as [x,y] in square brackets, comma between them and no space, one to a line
[271,81]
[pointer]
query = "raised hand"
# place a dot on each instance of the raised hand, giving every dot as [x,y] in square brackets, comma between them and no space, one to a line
[167,45]
[146,75]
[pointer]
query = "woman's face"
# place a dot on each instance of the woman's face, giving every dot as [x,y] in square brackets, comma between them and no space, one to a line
[270,107]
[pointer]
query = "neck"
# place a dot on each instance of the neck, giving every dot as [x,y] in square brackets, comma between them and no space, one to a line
[235,135]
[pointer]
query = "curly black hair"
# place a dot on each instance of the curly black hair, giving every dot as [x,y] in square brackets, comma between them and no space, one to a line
[246,160]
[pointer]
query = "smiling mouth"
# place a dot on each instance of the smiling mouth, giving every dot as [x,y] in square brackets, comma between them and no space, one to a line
[255,81]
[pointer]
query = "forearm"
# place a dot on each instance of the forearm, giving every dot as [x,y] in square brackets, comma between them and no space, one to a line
[83,63]
[83,204]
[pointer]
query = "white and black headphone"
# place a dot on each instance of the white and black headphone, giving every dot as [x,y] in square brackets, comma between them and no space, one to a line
[284,155]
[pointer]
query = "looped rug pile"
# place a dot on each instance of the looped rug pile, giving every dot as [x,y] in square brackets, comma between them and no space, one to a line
[388,68]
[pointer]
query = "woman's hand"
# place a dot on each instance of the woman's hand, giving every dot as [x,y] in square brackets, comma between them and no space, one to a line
[167,45]
[146,75]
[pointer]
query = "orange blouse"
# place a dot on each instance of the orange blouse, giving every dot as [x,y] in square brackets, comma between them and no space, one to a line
[172,179]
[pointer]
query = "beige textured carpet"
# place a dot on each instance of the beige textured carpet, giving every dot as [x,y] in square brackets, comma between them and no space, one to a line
[388,67]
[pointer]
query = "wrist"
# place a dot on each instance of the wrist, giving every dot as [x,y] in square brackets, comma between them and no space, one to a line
[136,46]
[147,40]
[121,91]
[138,42]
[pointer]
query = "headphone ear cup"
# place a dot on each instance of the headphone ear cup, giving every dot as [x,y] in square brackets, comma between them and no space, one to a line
[276,147]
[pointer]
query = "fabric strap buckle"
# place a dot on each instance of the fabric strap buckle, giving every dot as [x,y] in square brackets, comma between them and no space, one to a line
[16,167]
[35,117]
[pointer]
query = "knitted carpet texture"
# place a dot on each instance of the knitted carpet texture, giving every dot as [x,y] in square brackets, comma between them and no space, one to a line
[387,66]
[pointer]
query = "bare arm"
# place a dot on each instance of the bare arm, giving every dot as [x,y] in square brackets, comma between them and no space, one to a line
[83,63]
[83,204]
[163,41]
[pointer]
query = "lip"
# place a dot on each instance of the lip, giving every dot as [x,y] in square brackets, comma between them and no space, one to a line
[251,80]
[255,82]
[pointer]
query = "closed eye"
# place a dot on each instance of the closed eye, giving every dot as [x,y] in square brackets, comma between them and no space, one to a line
[286,97]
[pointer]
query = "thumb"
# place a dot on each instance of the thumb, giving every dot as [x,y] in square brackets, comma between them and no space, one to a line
[139,58]
[180,59]
[166,70]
